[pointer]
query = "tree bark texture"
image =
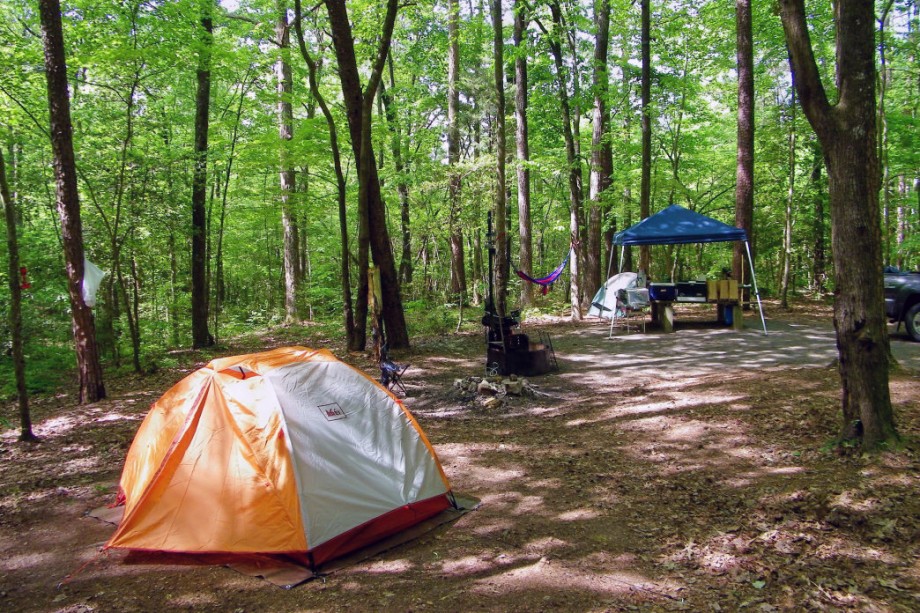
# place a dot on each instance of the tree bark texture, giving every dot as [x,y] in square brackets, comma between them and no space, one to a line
[601,153]
[15,314]
[457,261]
[883,145]
[819,252]
[525,248]
[358,104]
[91,387]
[292,274]
[646,128]
[847,131]
[744,172]
[201,337]
[502,269]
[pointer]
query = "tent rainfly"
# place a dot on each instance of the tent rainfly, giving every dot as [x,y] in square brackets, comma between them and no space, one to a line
[288,451]
[676,225]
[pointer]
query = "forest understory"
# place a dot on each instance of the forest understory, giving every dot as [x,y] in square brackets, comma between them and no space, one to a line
[649,473]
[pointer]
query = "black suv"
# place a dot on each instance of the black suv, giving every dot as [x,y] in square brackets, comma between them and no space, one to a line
[902,299]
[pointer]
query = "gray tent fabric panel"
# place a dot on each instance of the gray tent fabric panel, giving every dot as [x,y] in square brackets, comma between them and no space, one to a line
[605,301]
[355,451]
[676,225]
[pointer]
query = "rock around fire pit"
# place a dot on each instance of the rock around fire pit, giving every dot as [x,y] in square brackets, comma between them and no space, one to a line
[491,392]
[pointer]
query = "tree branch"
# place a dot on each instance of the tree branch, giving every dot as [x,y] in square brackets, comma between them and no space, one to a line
[805,76]
[386,37]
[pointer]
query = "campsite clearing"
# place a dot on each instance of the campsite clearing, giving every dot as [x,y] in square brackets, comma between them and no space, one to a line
[688,471]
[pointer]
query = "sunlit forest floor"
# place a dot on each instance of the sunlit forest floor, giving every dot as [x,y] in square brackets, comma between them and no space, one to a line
[691,471]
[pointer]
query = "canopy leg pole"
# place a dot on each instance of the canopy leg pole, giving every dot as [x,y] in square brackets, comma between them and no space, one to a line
[609,261]
[604,286]
[613,315]
[763,321]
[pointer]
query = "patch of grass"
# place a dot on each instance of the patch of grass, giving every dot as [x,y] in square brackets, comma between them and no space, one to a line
[424,318]
[46,371]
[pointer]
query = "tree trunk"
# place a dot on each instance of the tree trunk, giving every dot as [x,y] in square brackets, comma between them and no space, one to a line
[847,132]
[402,184]
[117,284]
[819,252]
[884,74]
[292,274]
[356,333]
[457,259]
[91,386]
[901,222]
[744,173]
[790,199]
[173,308]
[525,249]
[15,314]
[502,268]
[625,254]
[201,337]
[576,263]
[135,314]
[601,154]
[220,288]
[370,202]
[131,314]
[646,123]
[476,248]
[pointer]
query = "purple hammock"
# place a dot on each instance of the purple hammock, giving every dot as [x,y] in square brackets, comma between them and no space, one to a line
[548,280]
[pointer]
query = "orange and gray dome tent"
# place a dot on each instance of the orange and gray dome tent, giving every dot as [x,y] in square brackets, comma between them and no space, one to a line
[288,451]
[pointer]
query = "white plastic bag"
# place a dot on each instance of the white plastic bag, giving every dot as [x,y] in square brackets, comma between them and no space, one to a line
[92,278]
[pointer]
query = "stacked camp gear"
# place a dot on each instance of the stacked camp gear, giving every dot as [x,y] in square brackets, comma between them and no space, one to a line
[508,350]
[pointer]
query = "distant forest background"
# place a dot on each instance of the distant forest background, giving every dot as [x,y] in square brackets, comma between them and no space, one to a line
[275,207]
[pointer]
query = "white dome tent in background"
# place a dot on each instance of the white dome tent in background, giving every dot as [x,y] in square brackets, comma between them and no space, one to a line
[92,279]
[605,300]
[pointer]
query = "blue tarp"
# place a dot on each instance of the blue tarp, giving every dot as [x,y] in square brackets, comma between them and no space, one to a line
[677,225]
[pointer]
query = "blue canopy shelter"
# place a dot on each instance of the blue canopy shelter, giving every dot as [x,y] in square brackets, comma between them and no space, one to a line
[676,225]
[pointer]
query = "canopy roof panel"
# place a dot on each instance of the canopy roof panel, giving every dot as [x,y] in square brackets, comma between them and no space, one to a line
[677,225]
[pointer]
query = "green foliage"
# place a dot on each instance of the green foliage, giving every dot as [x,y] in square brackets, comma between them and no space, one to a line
[132,68]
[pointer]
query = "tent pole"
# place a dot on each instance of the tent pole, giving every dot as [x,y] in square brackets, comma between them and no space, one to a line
[747,248]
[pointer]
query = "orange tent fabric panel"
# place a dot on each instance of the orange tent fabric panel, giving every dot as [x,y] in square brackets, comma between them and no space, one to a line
[227,485]
[160,429]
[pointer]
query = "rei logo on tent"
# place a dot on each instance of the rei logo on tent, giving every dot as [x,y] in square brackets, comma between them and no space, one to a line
[332,412]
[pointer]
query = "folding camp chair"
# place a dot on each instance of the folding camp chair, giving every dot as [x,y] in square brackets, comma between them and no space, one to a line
[631,307]
[390,372]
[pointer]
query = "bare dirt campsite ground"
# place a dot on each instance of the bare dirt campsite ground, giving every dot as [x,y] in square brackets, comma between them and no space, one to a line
[653,472]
